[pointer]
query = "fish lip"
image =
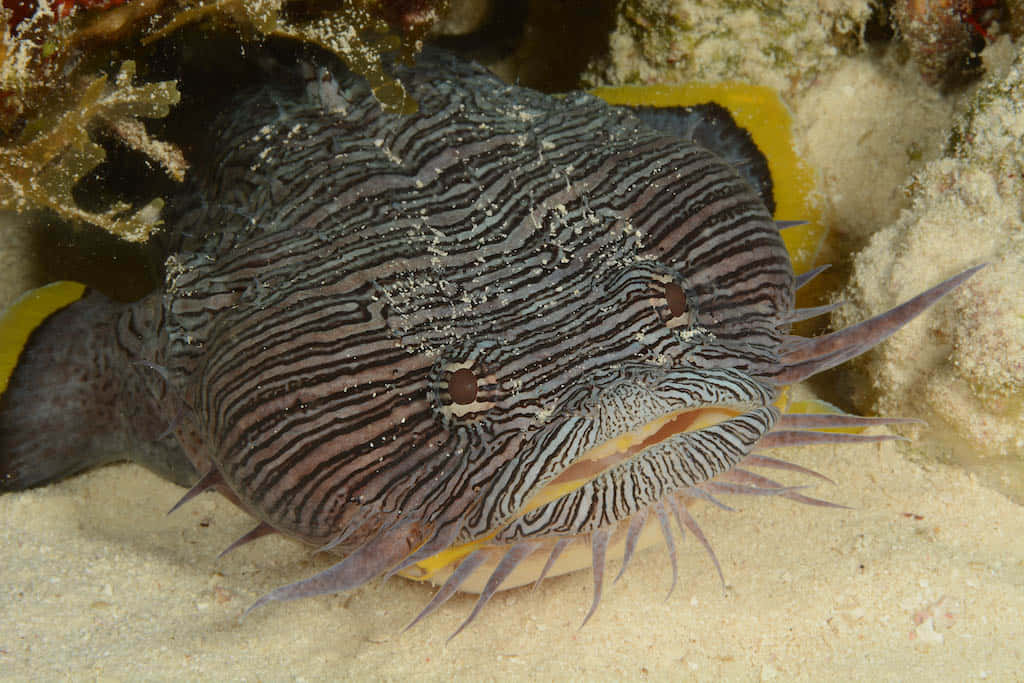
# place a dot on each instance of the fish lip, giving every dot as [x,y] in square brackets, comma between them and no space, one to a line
[649,435]
[673,465]
[587,417]
[655,395]
[603,458]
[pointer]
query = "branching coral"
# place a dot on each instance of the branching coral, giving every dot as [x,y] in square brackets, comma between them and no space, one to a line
[53,98]
[358,31]
[53,149]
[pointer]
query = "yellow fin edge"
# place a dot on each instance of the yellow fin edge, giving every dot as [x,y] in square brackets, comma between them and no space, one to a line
[764,115]
[25,315]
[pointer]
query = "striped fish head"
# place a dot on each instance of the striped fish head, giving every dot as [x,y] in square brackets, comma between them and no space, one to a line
[568,371]
[490,395]
[437,343]
[634,378]
[438,364]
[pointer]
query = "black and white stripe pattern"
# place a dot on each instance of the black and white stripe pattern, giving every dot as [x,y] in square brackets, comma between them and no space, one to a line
[332,265]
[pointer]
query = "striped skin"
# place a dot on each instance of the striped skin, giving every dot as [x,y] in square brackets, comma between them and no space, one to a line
[332,266]
[523,236]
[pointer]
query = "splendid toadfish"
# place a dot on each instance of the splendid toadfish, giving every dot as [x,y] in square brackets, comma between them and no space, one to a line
[504,337]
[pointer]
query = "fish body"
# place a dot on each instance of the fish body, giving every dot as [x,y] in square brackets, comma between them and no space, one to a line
[444,343]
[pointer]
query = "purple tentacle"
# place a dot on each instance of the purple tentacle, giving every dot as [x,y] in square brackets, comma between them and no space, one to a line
[670,543]
[259,531]
[786,438]
[210,480]
[599,544]
[799,314]
[381,553]
[559,548]
[512,558]
[462,572]
[685,519]
[838,421]
[443,539]
[759,460]
[636,525]
[829,350]
[803,278]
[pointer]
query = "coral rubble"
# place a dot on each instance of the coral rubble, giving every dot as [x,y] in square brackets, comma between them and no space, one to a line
[962,366]
[780,44]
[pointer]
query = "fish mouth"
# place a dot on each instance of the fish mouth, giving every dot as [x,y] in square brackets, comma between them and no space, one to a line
[596,462]
[603,458]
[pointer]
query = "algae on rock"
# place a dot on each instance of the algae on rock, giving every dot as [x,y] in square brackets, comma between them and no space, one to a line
[357,31]
[54,96]
[40,167]
[53,103]
[768,42]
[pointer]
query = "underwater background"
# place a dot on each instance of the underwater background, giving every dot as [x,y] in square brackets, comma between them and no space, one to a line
[913,122]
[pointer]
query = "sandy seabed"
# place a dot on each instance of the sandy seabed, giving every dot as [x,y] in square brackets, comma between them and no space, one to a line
[922,579]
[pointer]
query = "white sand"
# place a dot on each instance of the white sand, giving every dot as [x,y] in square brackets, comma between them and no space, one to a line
[922,580]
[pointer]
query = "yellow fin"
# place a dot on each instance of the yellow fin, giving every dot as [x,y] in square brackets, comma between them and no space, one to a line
[25,315]
[814,405]
[425,569]
[762,113]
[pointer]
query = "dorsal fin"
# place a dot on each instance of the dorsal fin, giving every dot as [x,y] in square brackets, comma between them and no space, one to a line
[711,126]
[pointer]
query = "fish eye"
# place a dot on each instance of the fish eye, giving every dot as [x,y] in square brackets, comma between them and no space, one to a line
[462,386]
[675,298]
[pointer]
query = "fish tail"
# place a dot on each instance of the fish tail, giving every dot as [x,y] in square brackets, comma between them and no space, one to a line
[65,384]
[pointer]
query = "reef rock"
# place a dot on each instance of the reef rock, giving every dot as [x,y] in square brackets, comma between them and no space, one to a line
[961,367]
